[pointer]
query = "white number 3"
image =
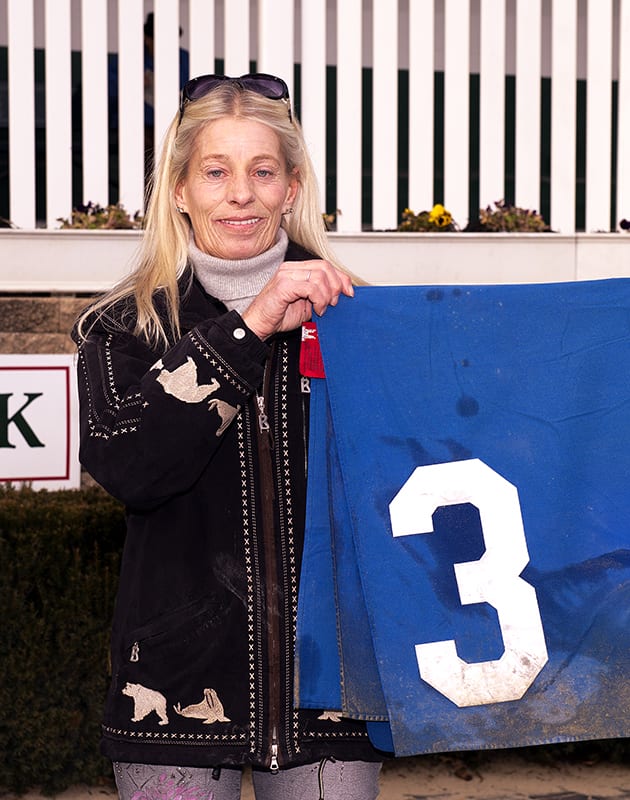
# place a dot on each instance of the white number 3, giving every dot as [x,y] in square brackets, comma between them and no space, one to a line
[493,579]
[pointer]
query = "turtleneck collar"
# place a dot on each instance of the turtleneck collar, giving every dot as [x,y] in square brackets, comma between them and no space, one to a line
[237,282]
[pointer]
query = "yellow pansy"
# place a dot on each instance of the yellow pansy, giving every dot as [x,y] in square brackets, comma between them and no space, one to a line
[440,216]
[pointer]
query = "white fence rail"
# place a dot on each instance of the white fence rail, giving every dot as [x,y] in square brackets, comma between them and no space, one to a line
[403,102]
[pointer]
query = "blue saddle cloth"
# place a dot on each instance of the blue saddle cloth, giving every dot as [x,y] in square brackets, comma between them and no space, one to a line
[466,574]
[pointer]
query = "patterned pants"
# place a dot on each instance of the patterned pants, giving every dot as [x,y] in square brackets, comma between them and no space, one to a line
[327,780]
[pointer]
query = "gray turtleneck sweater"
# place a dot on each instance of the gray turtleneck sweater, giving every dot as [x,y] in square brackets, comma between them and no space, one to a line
[237,282]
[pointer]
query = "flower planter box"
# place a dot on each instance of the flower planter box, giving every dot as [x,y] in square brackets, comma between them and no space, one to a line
[472,258]
[87,261]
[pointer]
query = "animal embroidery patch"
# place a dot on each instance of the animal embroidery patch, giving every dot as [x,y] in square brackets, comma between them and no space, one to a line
[182,384]
[225,411]
[210,709]
[145,701]
[331,716]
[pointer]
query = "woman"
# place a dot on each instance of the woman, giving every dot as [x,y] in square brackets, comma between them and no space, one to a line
[194,414]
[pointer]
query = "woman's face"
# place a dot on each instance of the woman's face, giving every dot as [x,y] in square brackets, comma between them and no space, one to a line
[236,188]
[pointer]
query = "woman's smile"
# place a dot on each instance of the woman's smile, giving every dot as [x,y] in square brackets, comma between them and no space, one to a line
[241,223]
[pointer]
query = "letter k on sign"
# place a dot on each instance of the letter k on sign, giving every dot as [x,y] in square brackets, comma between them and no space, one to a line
[39,421]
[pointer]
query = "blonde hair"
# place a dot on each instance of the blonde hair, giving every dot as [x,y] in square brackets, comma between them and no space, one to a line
[162,258]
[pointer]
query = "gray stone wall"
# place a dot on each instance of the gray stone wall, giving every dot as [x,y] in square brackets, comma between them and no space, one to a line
[33,324]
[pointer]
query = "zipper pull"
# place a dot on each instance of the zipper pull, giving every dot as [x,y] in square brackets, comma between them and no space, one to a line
[306,385]
[135,652]
[263,419]
[273,764]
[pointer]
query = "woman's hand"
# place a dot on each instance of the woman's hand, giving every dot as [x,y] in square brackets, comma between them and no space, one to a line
[297,289]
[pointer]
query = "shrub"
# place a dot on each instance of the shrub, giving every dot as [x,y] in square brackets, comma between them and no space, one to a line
[509,219]
[59,563]
[94,216]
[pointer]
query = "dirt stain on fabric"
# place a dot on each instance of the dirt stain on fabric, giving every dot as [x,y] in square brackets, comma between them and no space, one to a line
[467,406]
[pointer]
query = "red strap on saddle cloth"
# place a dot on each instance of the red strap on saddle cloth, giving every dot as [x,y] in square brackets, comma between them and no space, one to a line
[311,362]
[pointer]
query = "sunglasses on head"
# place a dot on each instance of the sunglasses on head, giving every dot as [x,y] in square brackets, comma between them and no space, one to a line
[265,85]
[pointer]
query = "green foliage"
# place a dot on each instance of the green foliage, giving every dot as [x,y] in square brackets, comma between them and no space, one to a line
[59,563]
[510,219]
[93,217]
[503,217]
[330,221]
[438,220]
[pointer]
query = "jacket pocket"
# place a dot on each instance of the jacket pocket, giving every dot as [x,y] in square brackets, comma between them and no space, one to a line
[173,630]
[175,675]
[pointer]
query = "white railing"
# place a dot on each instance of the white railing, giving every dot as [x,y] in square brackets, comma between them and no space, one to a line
[578,51]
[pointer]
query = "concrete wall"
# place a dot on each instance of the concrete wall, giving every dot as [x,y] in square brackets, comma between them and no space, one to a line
[47,277]
[89,261]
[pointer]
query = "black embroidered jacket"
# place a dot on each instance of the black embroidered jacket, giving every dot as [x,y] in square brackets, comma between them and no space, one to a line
[206,446]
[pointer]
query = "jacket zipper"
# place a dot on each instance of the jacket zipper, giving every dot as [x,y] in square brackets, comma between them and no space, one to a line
[168,622]
[273,762]
[265,447]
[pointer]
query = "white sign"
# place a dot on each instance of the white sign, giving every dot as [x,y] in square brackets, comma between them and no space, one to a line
[39,421]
